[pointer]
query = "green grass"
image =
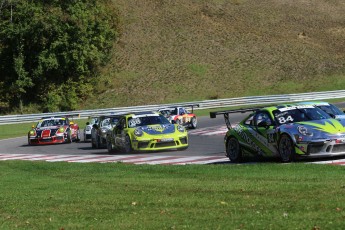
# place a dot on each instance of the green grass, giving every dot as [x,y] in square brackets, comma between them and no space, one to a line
[187,50]
[39,195]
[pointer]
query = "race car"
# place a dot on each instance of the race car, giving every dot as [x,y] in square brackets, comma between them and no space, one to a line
[180,115]
[329,108]
[88,127]
[146,131]
[286,131]
[100,128]
[54,130]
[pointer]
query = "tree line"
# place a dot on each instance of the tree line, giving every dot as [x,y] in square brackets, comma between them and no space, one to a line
[51,51]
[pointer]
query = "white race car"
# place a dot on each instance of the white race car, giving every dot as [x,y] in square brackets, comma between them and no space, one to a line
[88,128]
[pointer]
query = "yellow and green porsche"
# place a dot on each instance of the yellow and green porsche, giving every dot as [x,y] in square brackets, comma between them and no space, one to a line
[146,131]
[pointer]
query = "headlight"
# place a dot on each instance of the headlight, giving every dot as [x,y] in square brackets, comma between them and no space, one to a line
[138,132]
[104,130]
[304,131]
[180,128]
[32,133]
[61,130]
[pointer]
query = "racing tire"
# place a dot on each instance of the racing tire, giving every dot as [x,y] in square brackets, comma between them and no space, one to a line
[97,144]
[193,123]
[233,150]
[128,145]
[29,142]
[110,147]
[286,149]
[93,145]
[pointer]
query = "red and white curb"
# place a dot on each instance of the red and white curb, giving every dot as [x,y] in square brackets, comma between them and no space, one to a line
[209,131]
[131,159]
[135,159]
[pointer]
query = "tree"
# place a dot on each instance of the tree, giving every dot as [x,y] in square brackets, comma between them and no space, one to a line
[46,45]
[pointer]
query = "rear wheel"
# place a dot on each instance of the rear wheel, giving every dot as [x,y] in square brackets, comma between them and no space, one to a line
[286,149]
[233,150]
[97,144]
[193,123]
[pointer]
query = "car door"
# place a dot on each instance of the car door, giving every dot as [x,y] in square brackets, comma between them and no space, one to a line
[263,131]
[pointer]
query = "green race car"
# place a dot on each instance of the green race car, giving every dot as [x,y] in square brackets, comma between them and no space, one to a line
[146,131]
[285,131]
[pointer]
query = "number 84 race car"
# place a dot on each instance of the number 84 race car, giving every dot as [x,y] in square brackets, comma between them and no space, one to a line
[286,131]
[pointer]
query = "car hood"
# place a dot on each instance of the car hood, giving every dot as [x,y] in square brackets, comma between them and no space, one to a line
[158,129]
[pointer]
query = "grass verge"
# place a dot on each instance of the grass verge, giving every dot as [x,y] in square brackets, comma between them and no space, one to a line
[40,195]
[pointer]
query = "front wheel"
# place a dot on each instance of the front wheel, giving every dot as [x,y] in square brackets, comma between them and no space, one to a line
[233,150]
[286,149]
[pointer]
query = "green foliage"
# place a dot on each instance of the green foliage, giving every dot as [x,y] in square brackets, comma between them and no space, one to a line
[45,44]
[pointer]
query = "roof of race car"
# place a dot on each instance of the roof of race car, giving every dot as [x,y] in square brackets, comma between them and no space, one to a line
[143,114]
[313,103]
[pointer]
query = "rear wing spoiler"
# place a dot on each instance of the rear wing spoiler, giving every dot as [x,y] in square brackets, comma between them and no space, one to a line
[182,105]
[63,115]
[226,113]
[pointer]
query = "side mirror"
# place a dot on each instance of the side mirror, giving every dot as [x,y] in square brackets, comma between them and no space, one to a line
[87,123]
[71,123]
[33,126]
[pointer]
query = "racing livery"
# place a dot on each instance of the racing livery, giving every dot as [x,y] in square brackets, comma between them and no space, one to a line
[286,131]
[180,115]
[146,131]
[53,130]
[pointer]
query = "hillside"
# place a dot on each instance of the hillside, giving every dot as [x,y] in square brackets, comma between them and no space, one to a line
[187,50]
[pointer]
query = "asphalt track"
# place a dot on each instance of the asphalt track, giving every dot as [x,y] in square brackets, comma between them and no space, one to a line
[205,142]
[206,146]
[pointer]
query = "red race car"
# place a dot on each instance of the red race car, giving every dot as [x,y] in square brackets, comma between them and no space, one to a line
[54,130]
[180,115]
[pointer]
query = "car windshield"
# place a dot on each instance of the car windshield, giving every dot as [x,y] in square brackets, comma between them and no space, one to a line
[94,121]
[298,114]
[51,122]
[168,112]
[331,109]
[137,121]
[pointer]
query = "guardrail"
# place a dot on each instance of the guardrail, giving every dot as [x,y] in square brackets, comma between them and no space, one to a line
[207,104]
